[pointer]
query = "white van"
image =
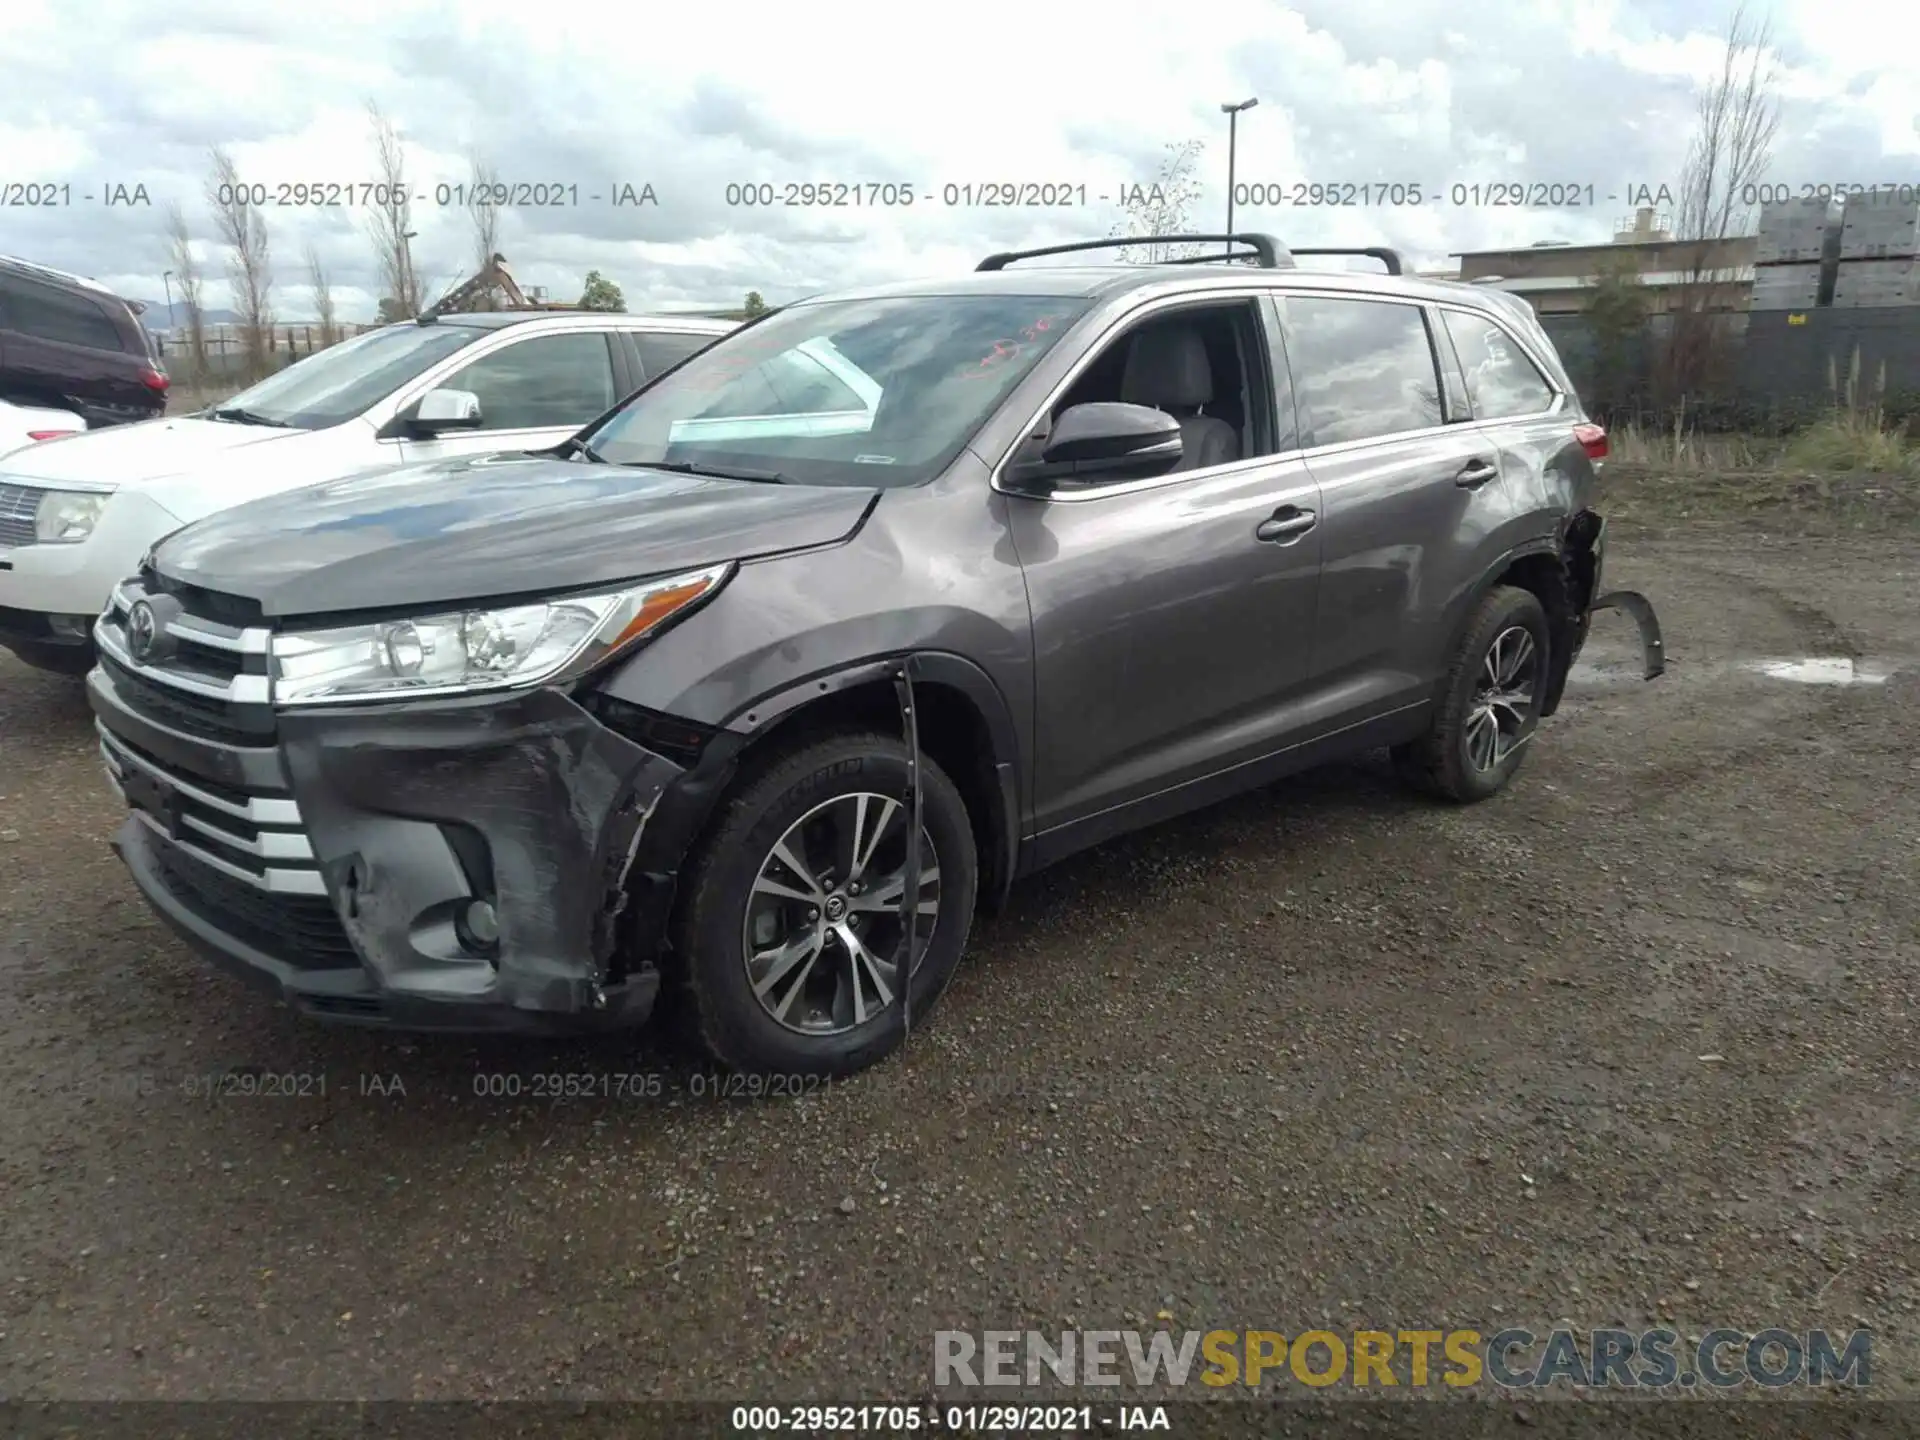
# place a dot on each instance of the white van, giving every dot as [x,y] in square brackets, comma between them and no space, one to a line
[77,514]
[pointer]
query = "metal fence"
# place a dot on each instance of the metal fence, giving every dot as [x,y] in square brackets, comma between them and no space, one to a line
[1778,369]
[224,351]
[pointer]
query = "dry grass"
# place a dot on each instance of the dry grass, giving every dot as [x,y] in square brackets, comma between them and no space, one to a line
[1678,452]
[1851,471]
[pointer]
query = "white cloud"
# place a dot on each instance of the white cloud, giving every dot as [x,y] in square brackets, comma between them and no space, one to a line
[690,97]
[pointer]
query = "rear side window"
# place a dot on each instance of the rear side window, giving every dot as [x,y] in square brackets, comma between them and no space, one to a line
[547,381]
[1362,369]
[57,315]
[1501,380]
[663,349]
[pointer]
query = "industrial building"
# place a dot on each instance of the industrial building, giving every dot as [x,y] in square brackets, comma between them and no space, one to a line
[1557,279]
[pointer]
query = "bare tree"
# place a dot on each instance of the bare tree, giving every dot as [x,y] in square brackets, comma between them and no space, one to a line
[1163,206]
[1737,115]
[483,209]
[391,224]
[249,269]
[322,285]
[186,270]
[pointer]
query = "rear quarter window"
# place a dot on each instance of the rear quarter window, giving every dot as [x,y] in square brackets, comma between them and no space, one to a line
[1502,382]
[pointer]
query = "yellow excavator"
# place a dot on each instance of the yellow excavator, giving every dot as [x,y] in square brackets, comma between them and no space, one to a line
[492,287]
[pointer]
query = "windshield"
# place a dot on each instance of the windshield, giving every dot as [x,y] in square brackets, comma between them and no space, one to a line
[851,392]
[338,383]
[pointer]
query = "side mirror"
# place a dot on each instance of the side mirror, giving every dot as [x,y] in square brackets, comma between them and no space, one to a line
[1103,440]
[441,410]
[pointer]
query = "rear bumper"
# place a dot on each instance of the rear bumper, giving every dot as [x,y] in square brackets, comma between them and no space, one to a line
[336,869]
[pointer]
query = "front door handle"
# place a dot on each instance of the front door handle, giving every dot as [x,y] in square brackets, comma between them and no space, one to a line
[1286,524]
[1476,474]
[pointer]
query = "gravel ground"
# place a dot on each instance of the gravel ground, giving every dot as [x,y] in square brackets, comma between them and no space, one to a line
[1629,1045]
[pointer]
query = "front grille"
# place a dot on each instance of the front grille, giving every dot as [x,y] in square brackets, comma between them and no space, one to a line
[18,503]
[256,838]
[183,710]
[233,610]
[204,677]
[305,931]
[238,858]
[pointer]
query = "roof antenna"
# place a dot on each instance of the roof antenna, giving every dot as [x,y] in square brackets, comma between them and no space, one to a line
[910,875]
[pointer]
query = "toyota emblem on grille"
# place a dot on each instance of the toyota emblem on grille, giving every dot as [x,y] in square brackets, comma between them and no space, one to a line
[148,635]
[143,628]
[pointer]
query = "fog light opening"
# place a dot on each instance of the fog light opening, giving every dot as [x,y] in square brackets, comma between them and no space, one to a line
[478,927]
[70,627]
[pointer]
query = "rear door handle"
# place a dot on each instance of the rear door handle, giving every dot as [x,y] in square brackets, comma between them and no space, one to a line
[1286,524]
[1475,474]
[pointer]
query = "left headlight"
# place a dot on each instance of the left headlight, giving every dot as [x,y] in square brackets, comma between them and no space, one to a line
[65,517]
[471,650]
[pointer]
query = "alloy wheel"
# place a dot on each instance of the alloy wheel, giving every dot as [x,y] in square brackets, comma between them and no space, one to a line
[825,923]
[1501,713]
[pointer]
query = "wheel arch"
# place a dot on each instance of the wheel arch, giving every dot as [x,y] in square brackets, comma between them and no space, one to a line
[965,726]
[1542,568]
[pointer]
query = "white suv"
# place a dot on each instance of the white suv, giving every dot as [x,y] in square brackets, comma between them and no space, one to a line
[77,514]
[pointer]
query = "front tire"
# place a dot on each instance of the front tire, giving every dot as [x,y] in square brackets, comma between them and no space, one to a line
[1489,707]
[789,943]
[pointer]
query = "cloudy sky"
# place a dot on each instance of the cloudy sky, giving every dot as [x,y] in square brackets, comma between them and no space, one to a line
[692,98]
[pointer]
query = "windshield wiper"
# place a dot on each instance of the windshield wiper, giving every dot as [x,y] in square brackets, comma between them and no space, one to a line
[245,417]
[574,445]
[717,472]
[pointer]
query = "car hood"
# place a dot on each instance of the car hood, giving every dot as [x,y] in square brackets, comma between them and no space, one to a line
[127,455]
[449,532]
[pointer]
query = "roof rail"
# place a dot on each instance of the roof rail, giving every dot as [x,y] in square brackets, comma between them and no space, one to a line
[1388,258]
[1271,254]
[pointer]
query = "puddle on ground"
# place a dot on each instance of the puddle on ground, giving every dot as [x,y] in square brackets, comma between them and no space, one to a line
[1823,670]
[1836,670]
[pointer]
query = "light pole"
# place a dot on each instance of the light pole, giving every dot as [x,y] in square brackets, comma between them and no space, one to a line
[408,302]
[166,279]
[1232,112]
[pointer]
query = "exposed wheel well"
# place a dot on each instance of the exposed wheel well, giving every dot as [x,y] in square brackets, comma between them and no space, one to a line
[1547,578]
[953,734]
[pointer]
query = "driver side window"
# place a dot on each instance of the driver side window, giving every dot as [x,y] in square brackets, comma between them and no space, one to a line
[1205,365]
[547,381]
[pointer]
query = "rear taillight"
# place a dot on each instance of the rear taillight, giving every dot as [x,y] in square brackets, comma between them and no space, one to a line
[49,434]
[1593,440]
[153,380]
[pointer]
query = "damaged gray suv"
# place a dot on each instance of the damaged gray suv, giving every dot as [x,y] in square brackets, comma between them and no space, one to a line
[750,693]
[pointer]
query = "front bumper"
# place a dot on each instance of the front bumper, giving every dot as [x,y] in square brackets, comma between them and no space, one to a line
[333,866]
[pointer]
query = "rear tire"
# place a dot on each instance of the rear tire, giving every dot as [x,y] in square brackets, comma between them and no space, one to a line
[771,944]
[1489,705]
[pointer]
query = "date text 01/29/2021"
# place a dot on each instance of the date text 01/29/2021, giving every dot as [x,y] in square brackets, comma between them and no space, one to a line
[962,1419]
[952,195]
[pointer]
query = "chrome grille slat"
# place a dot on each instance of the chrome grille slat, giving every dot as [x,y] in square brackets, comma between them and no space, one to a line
[259,809]
[279,838]
[200,630]
[278,882]
[18,505]
[242,689]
